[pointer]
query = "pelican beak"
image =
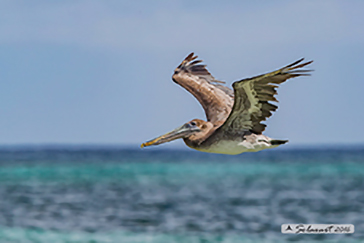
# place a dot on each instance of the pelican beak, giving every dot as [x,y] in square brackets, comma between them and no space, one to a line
[181,132]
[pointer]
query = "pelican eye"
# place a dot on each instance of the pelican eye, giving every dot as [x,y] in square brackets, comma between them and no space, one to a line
[193,123]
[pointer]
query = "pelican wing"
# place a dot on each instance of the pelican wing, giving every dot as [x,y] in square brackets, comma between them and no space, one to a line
[216,99]
[252,96]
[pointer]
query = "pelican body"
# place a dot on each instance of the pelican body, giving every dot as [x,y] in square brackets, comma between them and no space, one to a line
[234,118]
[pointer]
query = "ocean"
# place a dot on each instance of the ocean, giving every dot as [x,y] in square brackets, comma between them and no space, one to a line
[60,194]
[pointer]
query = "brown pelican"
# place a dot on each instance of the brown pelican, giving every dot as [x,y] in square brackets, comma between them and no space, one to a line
[234,118]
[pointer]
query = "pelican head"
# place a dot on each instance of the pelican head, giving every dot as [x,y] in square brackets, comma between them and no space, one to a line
[192,130]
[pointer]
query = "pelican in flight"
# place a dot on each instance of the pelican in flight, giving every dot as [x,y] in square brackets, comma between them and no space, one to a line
[234,118]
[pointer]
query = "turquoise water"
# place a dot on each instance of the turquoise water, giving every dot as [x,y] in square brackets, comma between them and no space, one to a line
[78,194]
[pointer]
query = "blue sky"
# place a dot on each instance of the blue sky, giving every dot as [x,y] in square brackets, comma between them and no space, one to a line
[99,72]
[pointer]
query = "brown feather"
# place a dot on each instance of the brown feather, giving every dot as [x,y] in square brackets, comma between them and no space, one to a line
[252,96]
[216,100]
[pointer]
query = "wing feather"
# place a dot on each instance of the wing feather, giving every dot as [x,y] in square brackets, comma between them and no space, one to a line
[252,96]
[217,100]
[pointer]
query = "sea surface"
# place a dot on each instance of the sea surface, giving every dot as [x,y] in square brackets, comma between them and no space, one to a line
[60,194]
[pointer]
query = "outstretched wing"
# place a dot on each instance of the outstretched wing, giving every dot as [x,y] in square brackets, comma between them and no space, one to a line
[217,100]
[252,96]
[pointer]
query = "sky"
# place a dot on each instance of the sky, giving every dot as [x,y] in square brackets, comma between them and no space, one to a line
[99,72]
